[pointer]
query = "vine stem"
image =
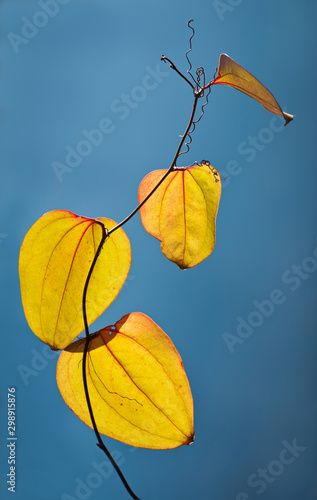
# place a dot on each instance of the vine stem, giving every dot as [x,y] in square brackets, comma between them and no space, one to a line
[88,338]
[105,234]
[173,164]
[172,65]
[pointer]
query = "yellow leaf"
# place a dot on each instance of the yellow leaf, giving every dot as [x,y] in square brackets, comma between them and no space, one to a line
[182,212]
[232,74]
[137,384]
[55,259]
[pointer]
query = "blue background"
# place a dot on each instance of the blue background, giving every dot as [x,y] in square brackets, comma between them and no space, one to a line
[65,78]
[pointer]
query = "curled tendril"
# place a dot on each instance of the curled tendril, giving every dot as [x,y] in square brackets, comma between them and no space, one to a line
[189,135]
[205,104]
[190,48]
[200,72]
[212,169]
[199,89]
[187,143]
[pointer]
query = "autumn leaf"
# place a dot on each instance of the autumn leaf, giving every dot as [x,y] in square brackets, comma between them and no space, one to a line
[182,212]
[230,73]
[137,384]
[55,259]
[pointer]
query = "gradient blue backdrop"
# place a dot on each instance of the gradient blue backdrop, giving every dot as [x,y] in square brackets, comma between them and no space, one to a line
[67,76]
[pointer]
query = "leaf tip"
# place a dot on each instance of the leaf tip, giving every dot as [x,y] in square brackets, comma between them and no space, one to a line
[190,439]
[54,348]
[287,117]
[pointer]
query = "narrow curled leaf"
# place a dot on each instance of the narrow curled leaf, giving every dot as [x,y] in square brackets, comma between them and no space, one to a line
[55,259]
[137,384]
[182,212]
[232,74]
